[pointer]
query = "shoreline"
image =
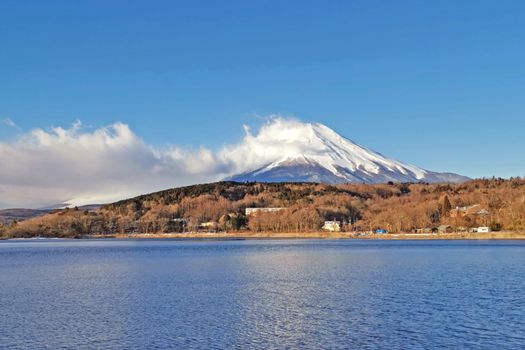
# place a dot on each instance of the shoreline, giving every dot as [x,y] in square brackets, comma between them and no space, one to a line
[321,235]
[294,235]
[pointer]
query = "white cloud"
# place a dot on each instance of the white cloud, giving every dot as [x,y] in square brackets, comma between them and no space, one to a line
[58,165]
[9,122]
[278,138]
[52,166]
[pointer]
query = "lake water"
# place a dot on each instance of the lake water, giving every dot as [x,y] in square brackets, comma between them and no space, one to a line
[267,294]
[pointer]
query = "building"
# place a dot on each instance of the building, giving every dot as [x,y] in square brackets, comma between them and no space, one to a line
[483,229]
[444,229]
[255,211]
[208,225]
[476,209]
[424,230]
[332,226]
[381,231]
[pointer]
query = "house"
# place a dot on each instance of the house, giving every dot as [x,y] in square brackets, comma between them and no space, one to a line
[444,229]
[381,231]
[483,229]
[255,211]
[332,226]
[476,209]
[208,225]
[424,230]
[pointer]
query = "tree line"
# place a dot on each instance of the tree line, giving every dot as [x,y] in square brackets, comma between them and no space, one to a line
[363,207]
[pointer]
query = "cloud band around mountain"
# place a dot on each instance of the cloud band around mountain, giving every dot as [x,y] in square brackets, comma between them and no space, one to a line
[80,166]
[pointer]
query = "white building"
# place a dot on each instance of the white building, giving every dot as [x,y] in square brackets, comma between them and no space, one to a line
[483,229]
[332,226]
[255,211]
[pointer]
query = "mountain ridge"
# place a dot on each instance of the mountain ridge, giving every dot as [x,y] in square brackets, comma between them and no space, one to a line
[332,158]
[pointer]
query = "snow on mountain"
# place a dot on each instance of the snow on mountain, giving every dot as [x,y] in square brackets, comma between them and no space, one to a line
[315,153]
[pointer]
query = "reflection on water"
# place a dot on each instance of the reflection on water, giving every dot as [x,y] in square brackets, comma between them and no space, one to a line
[261,294]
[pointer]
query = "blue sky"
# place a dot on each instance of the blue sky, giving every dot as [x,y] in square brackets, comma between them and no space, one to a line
[440,84]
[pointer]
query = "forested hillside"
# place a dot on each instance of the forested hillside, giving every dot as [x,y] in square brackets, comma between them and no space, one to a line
[303,207]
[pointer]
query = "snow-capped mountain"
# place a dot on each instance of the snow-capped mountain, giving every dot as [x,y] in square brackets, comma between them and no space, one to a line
[325,156]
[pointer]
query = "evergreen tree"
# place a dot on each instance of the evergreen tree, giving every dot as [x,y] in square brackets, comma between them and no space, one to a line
[444,206]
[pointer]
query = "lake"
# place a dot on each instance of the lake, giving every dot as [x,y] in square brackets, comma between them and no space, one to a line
[262,294]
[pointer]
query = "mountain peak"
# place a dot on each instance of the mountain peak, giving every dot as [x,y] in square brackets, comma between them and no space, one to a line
[326,156]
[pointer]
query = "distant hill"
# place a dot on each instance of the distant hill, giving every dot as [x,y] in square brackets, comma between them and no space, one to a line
[20,214]
[68,205]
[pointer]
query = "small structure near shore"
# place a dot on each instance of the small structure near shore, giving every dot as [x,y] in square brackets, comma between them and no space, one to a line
[424,230]
[444,229]
[332,226]
[483,229]
[208,225]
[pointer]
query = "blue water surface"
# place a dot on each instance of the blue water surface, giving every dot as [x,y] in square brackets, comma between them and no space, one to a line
[261,294]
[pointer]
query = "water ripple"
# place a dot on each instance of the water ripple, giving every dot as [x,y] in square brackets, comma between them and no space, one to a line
[289,294]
